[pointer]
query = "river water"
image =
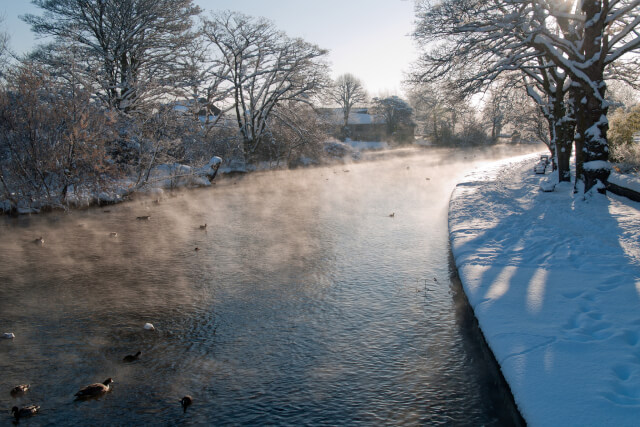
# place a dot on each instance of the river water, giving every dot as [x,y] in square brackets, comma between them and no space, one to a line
[305,303]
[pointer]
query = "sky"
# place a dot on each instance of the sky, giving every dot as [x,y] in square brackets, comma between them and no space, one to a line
[367,38]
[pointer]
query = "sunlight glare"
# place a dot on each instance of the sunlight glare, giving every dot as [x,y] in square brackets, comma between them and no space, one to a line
[535,291]
[500,286]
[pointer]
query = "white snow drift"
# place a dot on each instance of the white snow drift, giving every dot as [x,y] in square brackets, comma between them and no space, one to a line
[554,280]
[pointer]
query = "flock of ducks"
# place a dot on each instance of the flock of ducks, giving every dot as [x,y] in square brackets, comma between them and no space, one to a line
[91,391]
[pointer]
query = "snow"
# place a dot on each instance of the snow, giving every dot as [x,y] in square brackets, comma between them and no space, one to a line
[554,280]
[628,181]
[595,165]
[179,175]
[164,176]
[548,184]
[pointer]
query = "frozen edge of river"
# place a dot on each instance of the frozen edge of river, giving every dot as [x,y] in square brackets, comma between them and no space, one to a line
[554,281]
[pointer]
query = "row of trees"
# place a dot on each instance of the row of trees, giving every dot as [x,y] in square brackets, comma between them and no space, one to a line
[559,52]
[135,55]
[122,85]
[125,84]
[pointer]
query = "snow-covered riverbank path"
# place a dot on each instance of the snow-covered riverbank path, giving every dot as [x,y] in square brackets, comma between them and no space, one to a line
[554,280]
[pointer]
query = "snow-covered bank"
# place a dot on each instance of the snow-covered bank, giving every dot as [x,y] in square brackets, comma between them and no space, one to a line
[554,280]
[159,178]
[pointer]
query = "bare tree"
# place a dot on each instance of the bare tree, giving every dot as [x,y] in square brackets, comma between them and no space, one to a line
[436,111]
[593,35]
[128,46]
[298,132]
[397,115]
[477,41]
[496,109]
[4,45]
[52,139]
[262,68]
[347,91]
[201,84]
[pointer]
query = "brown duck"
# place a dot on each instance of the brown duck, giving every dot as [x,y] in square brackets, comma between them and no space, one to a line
[19,390]
[94,390]
[25,411]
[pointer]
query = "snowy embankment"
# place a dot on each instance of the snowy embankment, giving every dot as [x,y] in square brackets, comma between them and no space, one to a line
[626,181]
[554,281]
[160,178]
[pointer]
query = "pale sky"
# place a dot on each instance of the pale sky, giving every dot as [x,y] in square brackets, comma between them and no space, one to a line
[367,38]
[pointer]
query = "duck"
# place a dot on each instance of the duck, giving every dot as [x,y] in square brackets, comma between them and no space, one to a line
[19,390]
[392,214]
[186,401]
[131,357]
[39,241]
[94,390]
[149,327]
[8,335]
[113,234]
[25,411]
[143,217]
[203,227]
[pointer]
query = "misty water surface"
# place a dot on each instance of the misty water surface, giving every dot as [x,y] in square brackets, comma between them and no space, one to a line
[306,303]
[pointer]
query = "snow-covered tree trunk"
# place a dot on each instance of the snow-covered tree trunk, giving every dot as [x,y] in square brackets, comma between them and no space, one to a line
[592,123]
[546,86]
[562,128]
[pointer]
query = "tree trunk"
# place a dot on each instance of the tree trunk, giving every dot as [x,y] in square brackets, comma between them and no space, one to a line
[592,122]
[564,143]
[562,138]
[595,150]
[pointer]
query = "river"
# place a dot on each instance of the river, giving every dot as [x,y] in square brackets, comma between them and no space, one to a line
[318,296]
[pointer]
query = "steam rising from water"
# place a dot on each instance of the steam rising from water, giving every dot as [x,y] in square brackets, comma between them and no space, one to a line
[301,281]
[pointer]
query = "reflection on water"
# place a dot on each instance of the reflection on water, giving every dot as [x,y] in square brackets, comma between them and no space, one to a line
[304,303]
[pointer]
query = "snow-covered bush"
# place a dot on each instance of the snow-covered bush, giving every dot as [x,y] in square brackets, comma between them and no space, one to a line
[627,157]
[52,139]
[623,125]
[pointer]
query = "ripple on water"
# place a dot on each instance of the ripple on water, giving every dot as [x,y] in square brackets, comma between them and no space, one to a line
[305,305]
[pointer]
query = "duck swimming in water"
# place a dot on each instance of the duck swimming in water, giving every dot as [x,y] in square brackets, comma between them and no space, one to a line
[94,390]
[19,390]
[39,241]
[186,402]
[25,411]
[131,357]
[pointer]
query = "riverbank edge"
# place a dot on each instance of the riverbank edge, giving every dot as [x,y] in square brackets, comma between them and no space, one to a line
[471,323]
[126,190]
[493,175]
[458,280]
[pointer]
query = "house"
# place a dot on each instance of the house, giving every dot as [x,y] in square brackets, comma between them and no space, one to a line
[362,126]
